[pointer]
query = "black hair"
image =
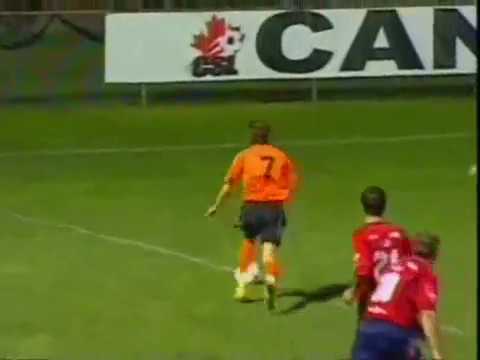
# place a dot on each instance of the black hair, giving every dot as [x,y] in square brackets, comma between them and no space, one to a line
[374,200]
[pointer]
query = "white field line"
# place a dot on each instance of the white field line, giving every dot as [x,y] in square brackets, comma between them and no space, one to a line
[164,251]
[192,147]
[452,330]
[122,241]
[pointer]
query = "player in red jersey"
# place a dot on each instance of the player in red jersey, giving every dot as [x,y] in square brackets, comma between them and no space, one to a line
[402,310]
[377,244]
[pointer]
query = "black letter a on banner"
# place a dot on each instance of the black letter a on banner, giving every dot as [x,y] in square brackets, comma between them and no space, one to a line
[400,50]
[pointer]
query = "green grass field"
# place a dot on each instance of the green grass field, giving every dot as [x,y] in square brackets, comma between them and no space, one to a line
[68,294]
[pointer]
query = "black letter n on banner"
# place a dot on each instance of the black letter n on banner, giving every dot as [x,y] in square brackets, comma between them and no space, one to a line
[450,24]
[400,50]
[269,42]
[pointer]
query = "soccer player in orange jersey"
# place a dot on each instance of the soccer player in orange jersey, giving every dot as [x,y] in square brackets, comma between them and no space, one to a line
[269,180]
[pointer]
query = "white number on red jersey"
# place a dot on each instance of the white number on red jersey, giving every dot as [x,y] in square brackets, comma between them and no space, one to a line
[383,258]
[385,290]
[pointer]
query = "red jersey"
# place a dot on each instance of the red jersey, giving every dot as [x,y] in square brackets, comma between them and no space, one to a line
[379,244]
[403,291]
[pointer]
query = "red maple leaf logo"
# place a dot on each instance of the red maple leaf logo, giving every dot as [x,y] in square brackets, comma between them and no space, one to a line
[220,39]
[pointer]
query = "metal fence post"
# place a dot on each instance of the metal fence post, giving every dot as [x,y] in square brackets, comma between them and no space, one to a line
[111,5]
[286,4]
[314,84]
[167,4]
[144,94]
[314,89]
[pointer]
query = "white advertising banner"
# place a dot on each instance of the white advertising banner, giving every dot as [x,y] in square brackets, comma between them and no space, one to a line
[246,45]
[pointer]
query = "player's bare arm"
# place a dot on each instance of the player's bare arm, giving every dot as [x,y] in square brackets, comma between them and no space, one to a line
[348,295]
[233,177]
[361,291]
[225,190]
[430,326]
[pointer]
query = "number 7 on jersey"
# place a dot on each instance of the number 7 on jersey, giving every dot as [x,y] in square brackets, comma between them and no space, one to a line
[270,160]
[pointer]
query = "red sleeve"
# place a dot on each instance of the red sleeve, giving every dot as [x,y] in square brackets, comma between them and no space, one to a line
[363,256]
[235,173]
[407,247]
[427,294]
[406,244]
[364,269]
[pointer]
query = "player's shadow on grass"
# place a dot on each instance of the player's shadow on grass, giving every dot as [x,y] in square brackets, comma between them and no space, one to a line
[322,294]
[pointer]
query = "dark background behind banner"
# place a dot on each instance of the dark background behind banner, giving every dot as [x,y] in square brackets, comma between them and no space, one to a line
[132,5]
[52,52]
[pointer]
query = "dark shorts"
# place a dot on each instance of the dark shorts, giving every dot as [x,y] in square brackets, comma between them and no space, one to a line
[381,340]
[263,221]
[361,309]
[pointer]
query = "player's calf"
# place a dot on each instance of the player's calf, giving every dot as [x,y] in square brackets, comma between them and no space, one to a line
[248,270]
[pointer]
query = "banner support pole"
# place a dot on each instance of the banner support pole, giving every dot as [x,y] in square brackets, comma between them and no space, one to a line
[314,90]
[144,94]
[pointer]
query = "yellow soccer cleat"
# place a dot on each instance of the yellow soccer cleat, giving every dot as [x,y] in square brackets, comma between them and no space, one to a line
[248,293]
[240,293]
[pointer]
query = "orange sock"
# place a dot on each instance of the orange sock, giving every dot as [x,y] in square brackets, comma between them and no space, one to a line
[249,255]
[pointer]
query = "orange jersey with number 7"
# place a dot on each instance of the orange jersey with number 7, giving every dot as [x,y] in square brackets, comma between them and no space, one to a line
[266,173]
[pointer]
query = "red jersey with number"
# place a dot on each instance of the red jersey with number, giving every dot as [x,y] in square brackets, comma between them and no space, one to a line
[266,172]
[377,245]
[403,291]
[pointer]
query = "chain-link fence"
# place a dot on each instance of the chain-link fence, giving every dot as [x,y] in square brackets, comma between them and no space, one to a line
[52,50]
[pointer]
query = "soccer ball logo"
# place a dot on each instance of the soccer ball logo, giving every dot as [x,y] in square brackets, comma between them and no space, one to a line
[218,48]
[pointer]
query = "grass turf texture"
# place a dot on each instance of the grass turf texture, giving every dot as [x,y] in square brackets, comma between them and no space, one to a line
[70,295]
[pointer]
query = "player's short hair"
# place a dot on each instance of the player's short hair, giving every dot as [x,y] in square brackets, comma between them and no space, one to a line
[260,131]
[374,200]
[426,245]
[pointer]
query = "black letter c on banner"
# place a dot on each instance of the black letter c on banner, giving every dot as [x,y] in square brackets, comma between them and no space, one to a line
[269,42]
